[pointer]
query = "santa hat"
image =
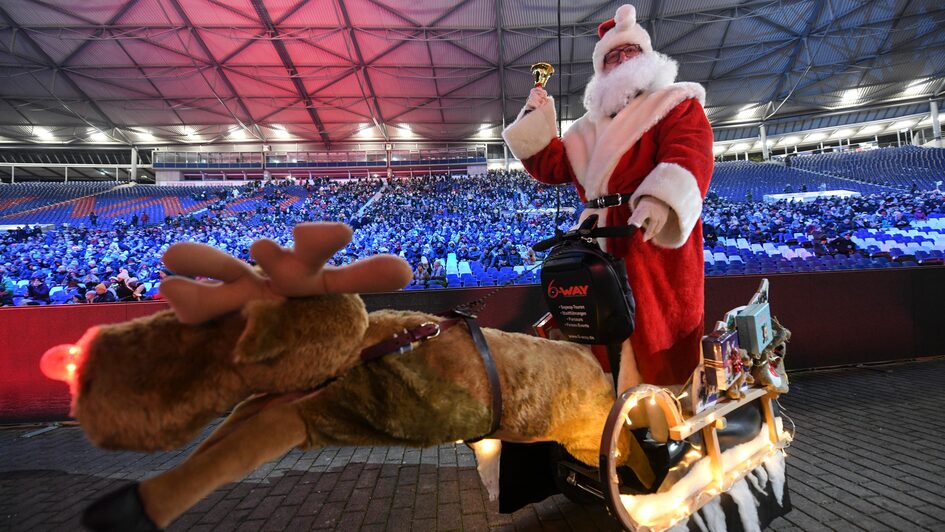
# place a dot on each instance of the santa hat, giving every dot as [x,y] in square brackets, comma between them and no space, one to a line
[622,29]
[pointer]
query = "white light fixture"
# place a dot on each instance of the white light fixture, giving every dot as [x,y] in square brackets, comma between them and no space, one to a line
[485,131]
[718,149]
[280,131]
[189,131]
[789,141]
[850,97]
[816,137]
[916,88]
[741,146]
[405,131]
[747,112]
[42,133]
[237,134]
[366,131]
[97,136]
[842,133]
[146,136]
[871,129]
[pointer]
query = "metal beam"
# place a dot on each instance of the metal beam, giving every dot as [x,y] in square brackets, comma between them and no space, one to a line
[796,54]
[436,82]
[283,52]
[100,31]
[501,42]
[45,58]
[219,69]
[379,122]
[887,39]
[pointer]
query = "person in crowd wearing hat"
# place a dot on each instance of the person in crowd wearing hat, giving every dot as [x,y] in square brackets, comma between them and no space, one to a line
[103,294]
[641,155]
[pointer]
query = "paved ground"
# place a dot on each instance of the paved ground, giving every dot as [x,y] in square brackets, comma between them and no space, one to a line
[869,454]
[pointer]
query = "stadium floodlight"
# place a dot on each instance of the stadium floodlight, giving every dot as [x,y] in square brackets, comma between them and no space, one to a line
[366,131]
[871,129]
[42,133]
[406,131]
[791,140]
[97,136]
[741,146]
[717,149]
[749,111]
[189,132]
[485,131]
[146,136]
[916,88]
[815,137]
[237,134]
[280,131]
[850,97]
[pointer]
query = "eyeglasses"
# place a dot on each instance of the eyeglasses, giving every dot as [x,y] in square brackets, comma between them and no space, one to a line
[629,50]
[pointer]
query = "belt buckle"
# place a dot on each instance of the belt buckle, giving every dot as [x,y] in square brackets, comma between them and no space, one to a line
[413,344]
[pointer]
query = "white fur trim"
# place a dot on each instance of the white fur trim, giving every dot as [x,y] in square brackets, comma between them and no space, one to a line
[595,145]
[606,94]
[627,31]
[629,375]
[531,133]
[678,188]
[487,458]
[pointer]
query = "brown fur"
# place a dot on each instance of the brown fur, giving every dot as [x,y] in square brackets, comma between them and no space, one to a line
[153,383]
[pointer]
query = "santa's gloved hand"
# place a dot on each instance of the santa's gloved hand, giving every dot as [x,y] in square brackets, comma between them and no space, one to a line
[536,98]
[650,214]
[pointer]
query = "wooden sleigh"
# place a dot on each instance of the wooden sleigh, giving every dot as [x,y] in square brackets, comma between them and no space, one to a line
[703,466]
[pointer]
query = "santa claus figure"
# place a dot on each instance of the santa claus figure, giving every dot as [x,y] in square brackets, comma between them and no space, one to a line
[641,155]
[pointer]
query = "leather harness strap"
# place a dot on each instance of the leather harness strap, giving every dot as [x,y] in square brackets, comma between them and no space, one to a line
[480,341]
[409,339]
[406,340]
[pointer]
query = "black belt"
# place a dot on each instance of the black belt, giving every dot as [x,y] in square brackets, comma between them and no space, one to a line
[611,200]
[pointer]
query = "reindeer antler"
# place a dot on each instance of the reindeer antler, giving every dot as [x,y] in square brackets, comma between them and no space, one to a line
[297,272]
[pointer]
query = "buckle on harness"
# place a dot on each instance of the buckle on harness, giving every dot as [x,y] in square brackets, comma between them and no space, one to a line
[419,335]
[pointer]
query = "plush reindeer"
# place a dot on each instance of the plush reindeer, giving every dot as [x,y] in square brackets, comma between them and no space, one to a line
[287,341]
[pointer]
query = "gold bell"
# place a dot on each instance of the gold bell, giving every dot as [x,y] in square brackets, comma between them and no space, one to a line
[542,73]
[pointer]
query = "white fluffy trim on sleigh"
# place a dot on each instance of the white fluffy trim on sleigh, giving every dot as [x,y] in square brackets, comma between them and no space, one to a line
[653,507]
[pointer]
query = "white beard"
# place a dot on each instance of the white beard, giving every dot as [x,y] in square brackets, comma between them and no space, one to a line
[606,94]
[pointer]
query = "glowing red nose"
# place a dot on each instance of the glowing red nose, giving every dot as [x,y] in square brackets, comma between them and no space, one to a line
[61,363]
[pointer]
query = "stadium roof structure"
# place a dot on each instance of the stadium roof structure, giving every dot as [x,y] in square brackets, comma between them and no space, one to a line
[148,72]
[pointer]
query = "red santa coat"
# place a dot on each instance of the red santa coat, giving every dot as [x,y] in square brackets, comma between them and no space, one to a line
[659,145]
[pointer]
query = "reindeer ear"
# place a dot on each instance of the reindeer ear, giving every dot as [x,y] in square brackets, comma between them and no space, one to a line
[261,339]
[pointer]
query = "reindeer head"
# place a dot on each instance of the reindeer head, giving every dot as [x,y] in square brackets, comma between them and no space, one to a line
[152,383]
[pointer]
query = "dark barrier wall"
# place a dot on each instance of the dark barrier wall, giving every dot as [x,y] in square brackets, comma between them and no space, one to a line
[836,317]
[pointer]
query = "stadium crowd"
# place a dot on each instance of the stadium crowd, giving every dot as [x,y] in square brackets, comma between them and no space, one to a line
[491,220]
[823,220]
